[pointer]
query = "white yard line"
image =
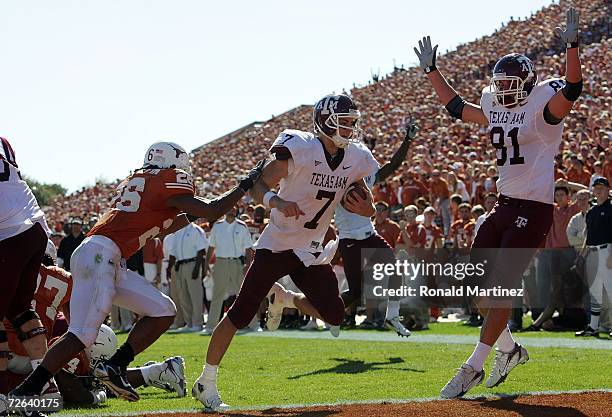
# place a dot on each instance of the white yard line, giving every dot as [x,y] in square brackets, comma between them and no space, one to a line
[374,336]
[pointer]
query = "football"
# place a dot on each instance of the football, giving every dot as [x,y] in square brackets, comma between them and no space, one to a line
[357,190]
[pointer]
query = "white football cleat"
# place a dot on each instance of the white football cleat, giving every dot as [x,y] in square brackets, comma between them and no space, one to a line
[462,382]
[208,395]
[277,301]
[504,363]
[396,324]
[171,376]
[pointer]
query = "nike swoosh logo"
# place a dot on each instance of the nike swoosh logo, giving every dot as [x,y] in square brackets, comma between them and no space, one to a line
[343,167]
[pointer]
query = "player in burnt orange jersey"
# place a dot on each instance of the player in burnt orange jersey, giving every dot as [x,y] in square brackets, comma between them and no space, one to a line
[153,199]
[52,294]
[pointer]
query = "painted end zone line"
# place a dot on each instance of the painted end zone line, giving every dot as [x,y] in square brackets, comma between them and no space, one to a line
[578,343]
[339,403]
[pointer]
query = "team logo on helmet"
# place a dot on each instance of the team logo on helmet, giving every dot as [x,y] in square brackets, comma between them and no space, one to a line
[334,113]
[514,76]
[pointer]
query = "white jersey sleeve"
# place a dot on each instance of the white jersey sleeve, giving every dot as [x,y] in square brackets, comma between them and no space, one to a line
[525,143]
[19,209]
[296,143]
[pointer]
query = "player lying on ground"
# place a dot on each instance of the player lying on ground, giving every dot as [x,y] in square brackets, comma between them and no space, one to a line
[150,201]
[79,387]
[525,122]
[75,382]
[314,171]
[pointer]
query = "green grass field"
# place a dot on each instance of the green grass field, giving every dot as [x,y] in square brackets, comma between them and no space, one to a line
[260,371]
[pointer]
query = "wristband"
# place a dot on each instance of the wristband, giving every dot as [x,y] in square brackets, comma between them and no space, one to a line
[430,69]
[571,45]
[267,197]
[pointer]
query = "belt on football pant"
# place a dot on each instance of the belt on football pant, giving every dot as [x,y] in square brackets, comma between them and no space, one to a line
[185,261]
[598,247]
[504,200]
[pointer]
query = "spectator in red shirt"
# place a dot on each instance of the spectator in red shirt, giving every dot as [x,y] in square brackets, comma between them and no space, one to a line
[388,229]
[440,196]
[153,255]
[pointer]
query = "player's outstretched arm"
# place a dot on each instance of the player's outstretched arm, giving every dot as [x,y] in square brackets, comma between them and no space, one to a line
[214,209]
[455,105]
[562,102]
[272,174]
[400,155]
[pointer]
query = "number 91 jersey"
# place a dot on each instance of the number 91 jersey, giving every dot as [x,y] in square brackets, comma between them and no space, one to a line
[525,143]
[139,211]
[316,182]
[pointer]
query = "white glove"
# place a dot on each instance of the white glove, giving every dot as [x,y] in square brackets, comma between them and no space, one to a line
[426,55]
[570,35]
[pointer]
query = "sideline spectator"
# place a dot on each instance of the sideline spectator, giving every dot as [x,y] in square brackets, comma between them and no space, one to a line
[230,242]
[70,243]
[153,256]
[187,258]
[599,258]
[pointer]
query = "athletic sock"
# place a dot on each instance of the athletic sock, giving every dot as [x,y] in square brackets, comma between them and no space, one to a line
[209,374]
[595,320]
[505,341]
[393,308]
[479,356]
[123,356]
[150,372]
[35,382]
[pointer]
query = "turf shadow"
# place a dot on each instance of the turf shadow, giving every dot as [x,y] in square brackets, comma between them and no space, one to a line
[348,366]
[531,410]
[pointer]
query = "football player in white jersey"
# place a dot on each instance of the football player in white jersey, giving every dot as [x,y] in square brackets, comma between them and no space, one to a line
[359,239]
[23,240]
[525,122]
[314,171]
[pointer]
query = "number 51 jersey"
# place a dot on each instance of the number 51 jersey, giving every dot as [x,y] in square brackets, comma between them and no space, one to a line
[139,211]
[526,144]
[316,182]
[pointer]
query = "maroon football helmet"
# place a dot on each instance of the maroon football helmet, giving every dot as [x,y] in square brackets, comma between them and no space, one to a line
[514,77]
[331,113]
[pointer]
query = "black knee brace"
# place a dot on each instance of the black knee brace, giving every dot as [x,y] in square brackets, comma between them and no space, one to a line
[22,319]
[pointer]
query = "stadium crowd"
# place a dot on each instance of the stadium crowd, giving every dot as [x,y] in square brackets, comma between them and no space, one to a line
[450,163]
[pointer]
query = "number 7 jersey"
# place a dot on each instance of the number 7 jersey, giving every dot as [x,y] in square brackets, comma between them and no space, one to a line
[525,143]
[316,182]
[139,211]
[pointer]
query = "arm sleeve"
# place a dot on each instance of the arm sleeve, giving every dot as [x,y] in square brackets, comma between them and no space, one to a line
[176,182]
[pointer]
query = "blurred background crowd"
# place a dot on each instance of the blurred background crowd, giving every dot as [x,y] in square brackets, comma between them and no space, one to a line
[448,178]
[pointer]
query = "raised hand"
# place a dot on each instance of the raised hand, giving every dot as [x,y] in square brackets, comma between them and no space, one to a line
[570,35]
[426,54]
[411,127]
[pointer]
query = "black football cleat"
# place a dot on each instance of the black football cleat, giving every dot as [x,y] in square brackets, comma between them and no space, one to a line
[588,332]
[115,380]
